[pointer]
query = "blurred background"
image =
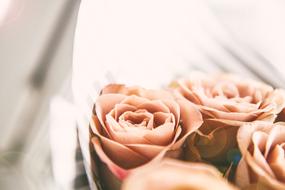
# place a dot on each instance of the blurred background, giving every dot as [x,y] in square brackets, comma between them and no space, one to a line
[38,61]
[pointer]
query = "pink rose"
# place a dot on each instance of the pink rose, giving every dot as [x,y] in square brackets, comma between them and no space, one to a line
[173,175]
[226,102]
[262,166]
[133,126]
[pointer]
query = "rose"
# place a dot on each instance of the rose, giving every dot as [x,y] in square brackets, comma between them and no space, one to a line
[173,175]
[133,126]
[226,102]
[262,166]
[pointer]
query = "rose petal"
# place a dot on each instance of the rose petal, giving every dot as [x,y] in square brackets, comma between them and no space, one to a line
[213,113]
[134,100]
[105,103]
[277,97]
[276,161]
[259,140]
[170,175]
[136,117]
[160,118]
[116,170]
[161,135]
[213,103]
[126,136]
[121,108]
[191,120]
[174,109]
[121,155]
[147,150]
[276,136]
[154,106]
[242,107]
[112,89]
[242,176]
[262,175]
[246,131]
[187,93]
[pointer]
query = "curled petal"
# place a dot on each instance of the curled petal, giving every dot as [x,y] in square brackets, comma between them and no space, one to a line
[105,104]
[116,170]
[162,135]
[122,155]
[277,162]
[191,120]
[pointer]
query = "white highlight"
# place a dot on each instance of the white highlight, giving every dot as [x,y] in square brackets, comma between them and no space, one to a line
[4,9]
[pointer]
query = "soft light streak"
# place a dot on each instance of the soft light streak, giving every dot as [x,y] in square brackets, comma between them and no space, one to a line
[4,10]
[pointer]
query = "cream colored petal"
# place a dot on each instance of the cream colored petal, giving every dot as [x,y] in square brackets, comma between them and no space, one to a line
[276,136]
[105,103]
[112,88]
[263,177]
[214,103]
[213,113]
[242,107]
[171,175]
[113,167]
[226,88]
[154,106]
[277,97]
[246,131]
[186,92]
[112,124]
[121,155]
[276,161]
[259,140]
[191,120]
[119,109]
[125,136]
[162,135]
[136,117]
[174,109]
[147,150]
[160,118]
[242,176]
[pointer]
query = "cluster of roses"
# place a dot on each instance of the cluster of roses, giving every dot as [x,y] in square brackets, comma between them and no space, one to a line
[215,132]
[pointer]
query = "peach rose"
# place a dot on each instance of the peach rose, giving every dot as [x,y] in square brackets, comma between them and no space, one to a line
[176,175]
[132,126]
[226,102]
[262,166]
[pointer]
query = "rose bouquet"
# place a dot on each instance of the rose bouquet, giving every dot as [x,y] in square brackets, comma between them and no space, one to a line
[203,132]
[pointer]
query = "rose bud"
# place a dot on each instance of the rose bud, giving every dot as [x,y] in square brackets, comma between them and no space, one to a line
[262,145]
[173,175]
[133,126]
[226,102]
